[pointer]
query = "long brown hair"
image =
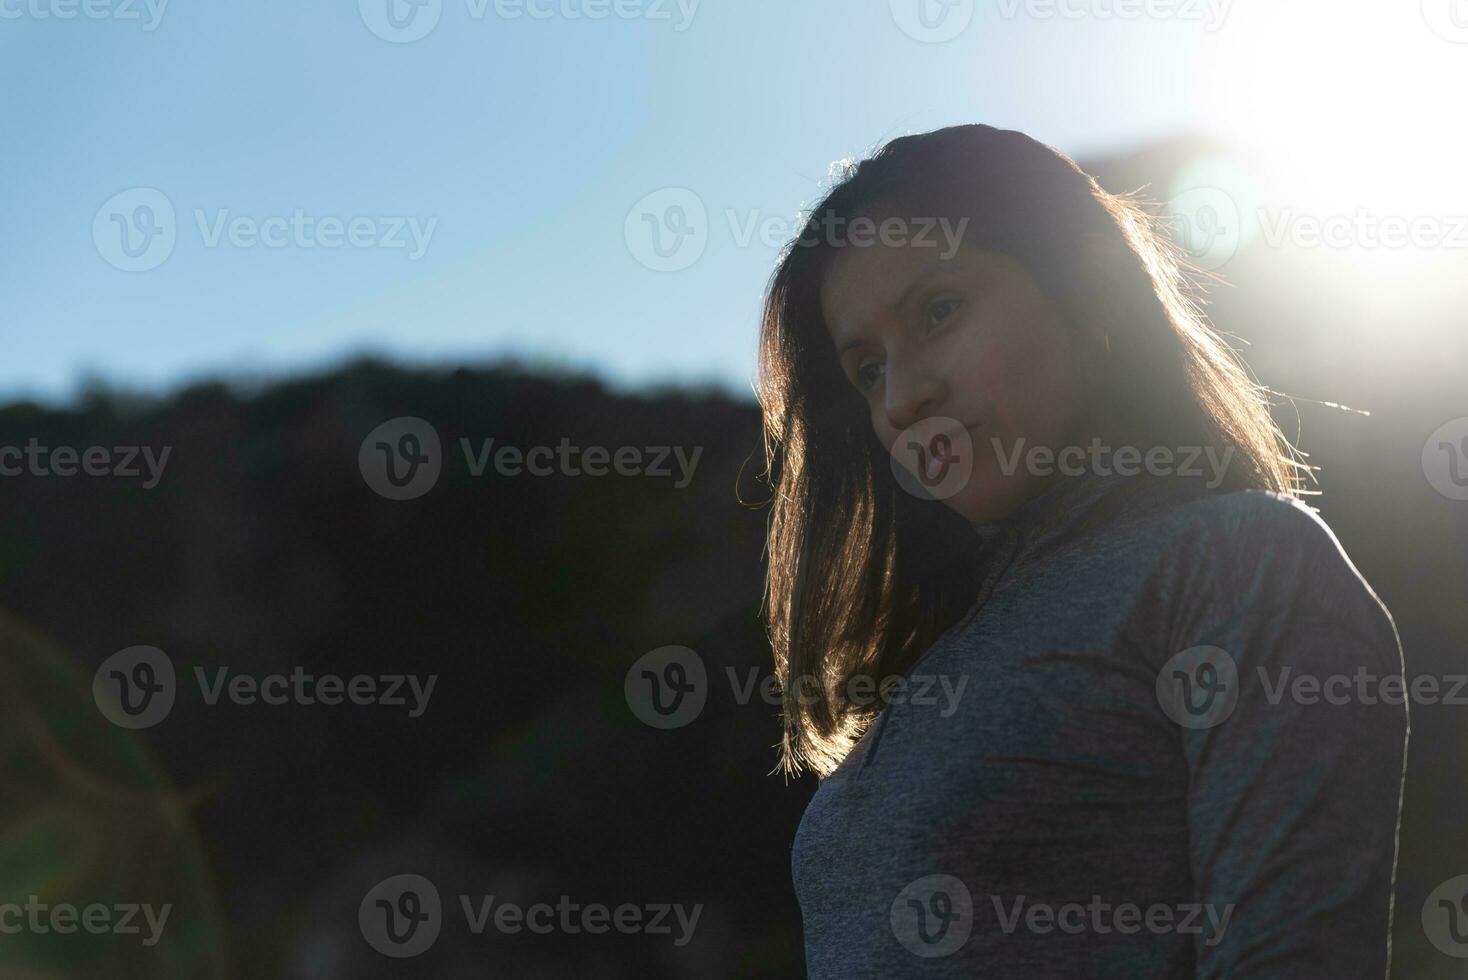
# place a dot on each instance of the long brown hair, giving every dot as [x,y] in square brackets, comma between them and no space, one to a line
[862,575]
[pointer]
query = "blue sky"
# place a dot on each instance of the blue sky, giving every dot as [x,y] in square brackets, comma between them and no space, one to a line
[522,143]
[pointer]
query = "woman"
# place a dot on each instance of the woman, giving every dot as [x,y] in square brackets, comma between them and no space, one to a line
[1052,623]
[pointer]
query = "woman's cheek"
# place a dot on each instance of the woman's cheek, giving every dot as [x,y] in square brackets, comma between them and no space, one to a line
[886,435]
[1055,386]
[981,384]
[1033,387]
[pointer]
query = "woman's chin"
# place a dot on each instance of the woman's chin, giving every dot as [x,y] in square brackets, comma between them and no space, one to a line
[992,495]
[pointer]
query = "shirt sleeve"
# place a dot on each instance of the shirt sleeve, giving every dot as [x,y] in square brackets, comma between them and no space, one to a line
[1285,684]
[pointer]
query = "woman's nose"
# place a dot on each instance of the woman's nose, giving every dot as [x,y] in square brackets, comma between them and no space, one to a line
[913,393]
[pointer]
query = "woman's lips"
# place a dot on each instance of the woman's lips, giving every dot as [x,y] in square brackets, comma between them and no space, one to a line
[951,447]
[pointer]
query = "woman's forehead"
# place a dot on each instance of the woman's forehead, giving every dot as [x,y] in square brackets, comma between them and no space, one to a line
[876,275]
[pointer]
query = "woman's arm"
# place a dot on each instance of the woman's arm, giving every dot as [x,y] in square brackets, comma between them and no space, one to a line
[1294,730]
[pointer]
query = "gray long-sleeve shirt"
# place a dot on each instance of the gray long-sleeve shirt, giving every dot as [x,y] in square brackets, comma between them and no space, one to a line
[1168,740]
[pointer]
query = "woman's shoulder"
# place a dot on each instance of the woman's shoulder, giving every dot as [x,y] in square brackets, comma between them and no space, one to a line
[1252,572]
[1247,544]
[1223,522]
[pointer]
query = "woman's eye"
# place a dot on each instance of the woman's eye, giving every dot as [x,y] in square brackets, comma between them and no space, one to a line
[868,374]
[941,309]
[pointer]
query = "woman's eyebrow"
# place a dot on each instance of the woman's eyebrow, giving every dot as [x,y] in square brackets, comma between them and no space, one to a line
[930,272]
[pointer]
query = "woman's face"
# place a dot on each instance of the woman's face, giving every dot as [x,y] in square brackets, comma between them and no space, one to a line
[960,358]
